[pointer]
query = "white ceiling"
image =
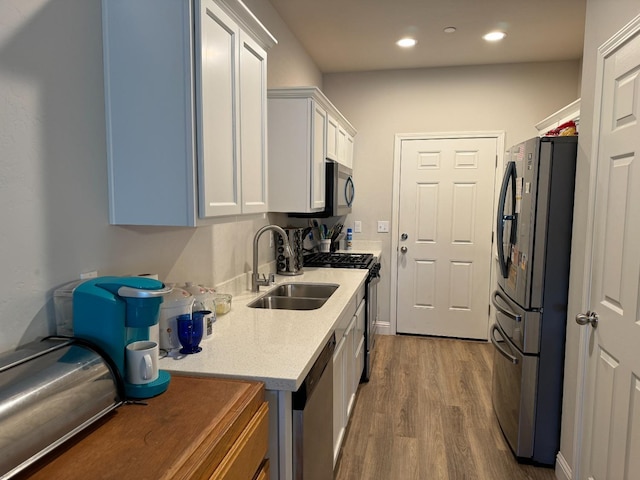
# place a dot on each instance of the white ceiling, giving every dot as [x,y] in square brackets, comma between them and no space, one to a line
[360,35]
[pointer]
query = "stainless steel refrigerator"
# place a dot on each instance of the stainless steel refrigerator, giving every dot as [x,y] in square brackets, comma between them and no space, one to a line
[535,213]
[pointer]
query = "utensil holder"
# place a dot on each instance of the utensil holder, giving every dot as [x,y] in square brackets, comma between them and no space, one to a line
[292,265]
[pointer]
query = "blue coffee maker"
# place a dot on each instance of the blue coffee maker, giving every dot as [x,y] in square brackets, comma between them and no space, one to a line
[112,312]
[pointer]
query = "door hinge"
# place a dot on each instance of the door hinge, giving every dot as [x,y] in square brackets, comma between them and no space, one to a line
[489,310]
[496,160]
[492,238]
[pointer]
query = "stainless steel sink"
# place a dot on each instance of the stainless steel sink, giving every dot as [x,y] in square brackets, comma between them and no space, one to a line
[310,290]
[295,296]
[288,303]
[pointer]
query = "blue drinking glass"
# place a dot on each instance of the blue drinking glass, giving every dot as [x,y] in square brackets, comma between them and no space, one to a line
[189,334]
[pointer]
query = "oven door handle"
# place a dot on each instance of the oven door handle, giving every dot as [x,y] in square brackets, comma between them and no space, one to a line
[502,351]
[513,316]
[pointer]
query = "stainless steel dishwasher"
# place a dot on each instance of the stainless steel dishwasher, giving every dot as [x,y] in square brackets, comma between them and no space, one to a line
[313,420]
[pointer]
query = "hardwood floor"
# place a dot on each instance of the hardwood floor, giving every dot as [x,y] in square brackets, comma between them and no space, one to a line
[426,414]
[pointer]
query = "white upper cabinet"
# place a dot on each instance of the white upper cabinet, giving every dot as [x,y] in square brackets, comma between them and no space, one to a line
[185,92]
[304,131]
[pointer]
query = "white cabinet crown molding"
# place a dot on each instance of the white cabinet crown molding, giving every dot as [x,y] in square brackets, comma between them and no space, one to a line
[248,21]
[315,94]
[571,111]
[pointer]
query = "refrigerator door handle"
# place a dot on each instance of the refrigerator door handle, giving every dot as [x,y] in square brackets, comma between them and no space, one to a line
[494,300]
[502,351]
[509,175]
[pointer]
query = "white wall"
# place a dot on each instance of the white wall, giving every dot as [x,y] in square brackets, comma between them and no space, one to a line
[53,173]
[604,18]
[289,63]
[53,187]
[512,98]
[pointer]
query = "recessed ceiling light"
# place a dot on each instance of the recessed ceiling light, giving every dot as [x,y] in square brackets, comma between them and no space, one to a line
[449,29]
[406,42]
[494,36]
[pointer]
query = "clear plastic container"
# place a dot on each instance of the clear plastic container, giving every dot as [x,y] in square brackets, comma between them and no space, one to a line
[63,306]
[223,303]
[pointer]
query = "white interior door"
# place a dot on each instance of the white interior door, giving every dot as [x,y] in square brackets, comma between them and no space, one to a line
[445,223]
[611,440]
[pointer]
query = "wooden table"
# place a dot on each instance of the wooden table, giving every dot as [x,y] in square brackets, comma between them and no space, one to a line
[199,428]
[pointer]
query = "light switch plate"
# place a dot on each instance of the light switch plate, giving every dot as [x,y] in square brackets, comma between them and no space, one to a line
[357,226]
[383,226]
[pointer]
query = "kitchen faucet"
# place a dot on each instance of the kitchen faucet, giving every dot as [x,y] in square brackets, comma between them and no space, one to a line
[256,281]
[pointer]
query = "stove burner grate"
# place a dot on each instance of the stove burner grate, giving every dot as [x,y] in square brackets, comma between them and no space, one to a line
[339,260]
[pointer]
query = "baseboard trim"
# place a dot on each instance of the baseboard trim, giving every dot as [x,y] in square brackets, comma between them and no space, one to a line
[563,470]
[384,328]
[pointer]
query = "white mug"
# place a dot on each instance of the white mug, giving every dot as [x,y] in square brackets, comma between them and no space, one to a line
[142,362]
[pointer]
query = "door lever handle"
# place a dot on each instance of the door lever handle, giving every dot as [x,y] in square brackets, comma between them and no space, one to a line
[587,318]
[403,249]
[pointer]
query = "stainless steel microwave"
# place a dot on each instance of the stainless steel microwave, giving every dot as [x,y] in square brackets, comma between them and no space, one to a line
[340,192]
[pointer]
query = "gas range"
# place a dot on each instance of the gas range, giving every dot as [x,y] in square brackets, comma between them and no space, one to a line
[360,261]
[339,260]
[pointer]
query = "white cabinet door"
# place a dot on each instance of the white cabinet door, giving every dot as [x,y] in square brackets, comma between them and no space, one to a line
[318,148]
[253,131]
[332,138]
[345,147]
[347,367]
[348,154]
[218,136]
[359,347]
[339,419]
[350,368]
[342,146]
[232,157]
[297,135]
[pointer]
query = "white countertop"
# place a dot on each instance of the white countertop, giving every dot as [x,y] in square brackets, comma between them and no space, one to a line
[277,347]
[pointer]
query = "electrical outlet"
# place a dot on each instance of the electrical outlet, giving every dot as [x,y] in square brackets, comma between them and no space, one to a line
[357,226]
[270,239]
[383,226]
[85,275]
